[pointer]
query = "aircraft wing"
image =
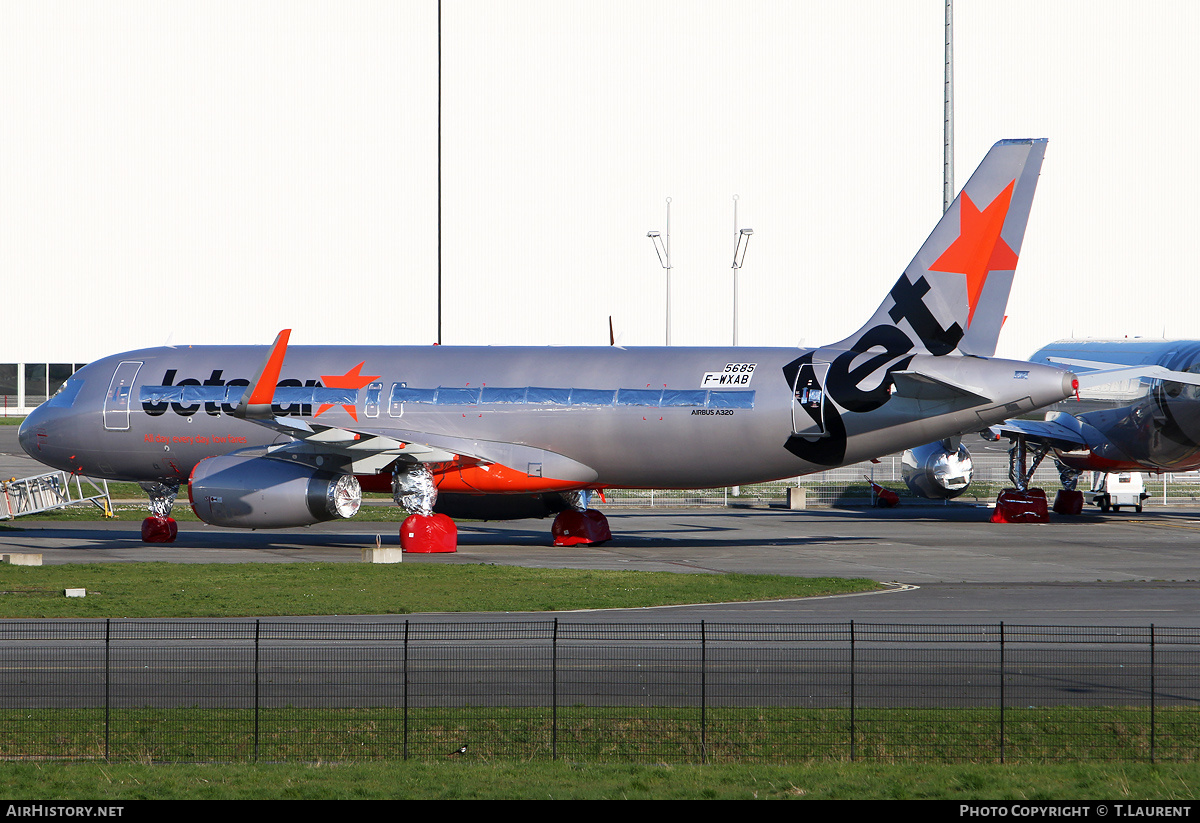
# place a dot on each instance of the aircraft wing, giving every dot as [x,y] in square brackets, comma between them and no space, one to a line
[1050,432]
[368,449]
[354,452]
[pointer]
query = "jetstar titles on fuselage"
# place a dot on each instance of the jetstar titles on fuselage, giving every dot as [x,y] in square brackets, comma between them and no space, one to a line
[217,396]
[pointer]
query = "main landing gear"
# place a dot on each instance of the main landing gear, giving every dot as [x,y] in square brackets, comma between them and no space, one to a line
[1022,504]
[579,524]
[428,532]
[423,531]
[160,527]
[1069,499]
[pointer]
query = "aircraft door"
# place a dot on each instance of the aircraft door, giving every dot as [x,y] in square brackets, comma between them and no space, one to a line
[116,402]
[371,405]
[808,400]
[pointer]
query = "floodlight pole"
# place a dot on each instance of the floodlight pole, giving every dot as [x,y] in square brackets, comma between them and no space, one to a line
[948,138]
[439,173]
[664,258]
[741,239]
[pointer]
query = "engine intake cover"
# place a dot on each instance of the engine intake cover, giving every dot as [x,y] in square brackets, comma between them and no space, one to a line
[936,473]
[247,492]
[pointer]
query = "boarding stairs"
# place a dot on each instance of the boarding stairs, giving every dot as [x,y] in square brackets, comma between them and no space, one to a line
[54,490]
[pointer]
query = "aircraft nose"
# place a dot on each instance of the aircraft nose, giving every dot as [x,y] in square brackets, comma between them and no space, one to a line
[38,433]
[25,434]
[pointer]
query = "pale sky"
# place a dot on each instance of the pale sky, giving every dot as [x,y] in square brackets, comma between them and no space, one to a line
[212,173]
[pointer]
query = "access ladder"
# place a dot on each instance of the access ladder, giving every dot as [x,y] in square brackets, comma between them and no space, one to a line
[53,490]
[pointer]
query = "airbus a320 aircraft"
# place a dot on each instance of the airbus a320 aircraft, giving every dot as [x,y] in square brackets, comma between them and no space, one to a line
[278,437]
[1139,410]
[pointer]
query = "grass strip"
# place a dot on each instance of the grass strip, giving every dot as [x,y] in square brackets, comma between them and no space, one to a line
[653,734]
[450,780]
[164,590]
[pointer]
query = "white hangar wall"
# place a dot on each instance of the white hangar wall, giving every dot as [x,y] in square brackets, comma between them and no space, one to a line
[212,174]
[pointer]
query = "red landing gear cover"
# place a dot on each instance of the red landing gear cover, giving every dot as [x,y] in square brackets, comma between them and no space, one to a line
[1068,502]
[428,534]
[159,530]
[1014,506]
[572,528]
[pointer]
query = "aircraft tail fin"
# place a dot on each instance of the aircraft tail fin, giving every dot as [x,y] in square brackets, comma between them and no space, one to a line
[953,295]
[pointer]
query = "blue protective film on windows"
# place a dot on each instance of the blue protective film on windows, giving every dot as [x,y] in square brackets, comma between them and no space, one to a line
[457,397]
[403,394]
[685,397]
[639,397]
[502,394]
[527,395]
[730,399]
[592,397]
[540,396]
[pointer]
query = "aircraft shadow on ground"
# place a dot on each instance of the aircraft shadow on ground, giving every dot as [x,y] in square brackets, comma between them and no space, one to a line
[681,535]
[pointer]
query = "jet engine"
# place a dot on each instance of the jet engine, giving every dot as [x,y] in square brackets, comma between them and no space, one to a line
[248,492]
[936,472]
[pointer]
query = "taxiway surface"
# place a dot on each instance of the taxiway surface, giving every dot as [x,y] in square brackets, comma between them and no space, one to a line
[1116,569]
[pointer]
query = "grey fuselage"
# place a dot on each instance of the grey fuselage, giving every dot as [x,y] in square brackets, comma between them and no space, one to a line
[622,417]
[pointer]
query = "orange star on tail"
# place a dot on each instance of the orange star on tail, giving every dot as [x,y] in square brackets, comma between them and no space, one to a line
[979,248]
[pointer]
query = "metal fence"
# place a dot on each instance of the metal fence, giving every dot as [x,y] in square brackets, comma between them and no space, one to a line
[850,486]
[154,691]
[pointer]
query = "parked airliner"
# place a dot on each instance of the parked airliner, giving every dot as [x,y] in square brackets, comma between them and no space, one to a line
[282,436]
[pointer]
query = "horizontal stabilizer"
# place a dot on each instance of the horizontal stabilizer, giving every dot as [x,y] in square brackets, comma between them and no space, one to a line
[920,386]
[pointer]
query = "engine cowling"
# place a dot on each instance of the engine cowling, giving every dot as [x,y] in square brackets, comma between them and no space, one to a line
[249,492]
[936,472]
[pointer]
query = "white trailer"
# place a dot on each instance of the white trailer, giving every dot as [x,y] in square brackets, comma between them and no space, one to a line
[1117,489]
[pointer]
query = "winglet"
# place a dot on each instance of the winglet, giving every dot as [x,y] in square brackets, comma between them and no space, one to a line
[256,400]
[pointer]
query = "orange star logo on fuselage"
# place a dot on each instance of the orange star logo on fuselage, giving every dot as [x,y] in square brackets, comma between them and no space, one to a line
[353,379]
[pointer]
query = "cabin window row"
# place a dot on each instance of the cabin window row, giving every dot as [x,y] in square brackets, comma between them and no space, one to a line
[546,396]
[227,395]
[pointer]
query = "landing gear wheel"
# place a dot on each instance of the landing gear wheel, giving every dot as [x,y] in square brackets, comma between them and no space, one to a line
[1104,507]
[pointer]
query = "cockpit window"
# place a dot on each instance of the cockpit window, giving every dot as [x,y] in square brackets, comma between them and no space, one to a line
[64,398]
